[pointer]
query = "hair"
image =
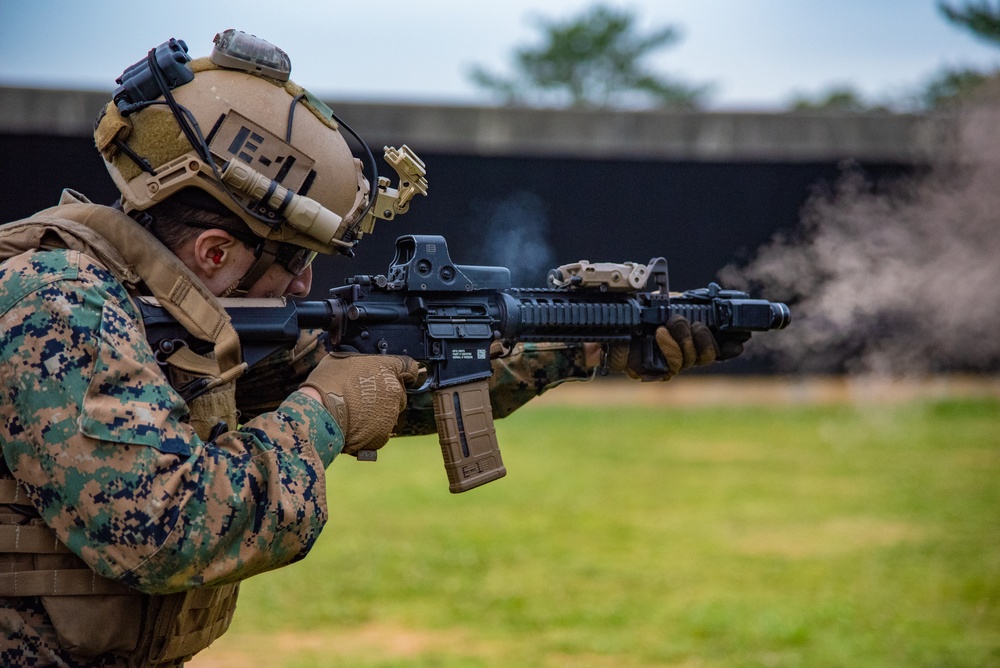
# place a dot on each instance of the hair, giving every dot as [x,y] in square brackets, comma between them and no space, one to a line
[184,216]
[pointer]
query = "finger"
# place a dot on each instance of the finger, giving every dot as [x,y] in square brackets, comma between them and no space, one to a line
[680,330]
[670,350]
[498,349]
[618,358]
[731,345]
[410,371]
[704,343]
[731,349]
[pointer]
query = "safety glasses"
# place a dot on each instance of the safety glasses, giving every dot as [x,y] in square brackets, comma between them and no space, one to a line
[294,259]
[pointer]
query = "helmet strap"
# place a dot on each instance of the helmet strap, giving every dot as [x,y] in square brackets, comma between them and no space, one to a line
[264,255]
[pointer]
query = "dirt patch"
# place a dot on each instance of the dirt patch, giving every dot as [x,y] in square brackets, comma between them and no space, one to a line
[336,646]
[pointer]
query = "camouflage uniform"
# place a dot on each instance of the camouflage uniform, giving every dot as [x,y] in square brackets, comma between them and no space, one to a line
[102,446]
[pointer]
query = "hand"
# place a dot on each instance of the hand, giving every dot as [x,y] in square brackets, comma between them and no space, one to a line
[682,345]
[364,394]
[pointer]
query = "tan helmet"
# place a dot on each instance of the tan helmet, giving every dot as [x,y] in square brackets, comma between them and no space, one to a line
[235,127]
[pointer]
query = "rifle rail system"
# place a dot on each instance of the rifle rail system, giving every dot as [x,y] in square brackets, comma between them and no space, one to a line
[446,316]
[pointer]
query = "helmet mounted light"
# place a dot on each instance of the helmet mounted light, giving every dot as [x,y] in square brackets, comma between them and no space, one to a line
[239,51]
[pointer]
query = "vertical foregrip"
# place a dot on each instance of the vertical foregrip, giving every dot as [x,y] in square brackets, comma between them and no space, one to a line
[468,438]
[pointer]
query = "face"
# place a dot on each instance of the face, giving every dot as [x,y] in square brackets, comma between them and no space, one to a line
[276,281]
[220,261]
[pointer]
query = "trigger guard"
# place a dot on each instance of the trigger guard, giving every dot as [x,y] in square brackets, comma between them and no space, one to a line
[430,383]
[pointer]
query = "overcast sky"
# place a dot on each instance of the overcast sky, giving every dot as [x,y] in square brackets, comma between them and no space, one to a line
[757,53]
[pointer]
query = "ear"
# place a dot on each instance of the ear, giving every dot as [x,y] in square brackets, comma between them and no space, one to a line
[213,251]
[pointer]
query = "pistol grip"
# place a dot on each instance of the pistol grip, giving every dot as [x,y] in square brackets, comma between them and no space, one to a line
[468,438]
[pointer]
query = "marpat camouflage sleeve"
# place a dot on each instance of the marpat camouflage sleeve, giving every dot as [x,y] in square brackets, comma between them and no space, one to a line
[528,371]
[264,387]
[94,432]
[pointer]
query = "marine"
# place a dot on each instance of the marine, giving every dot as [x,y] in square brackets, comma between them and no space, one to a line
[138,488]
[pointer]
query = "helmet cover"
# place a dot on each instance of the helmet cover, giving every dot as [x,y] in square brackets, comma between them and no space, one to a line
[247,119]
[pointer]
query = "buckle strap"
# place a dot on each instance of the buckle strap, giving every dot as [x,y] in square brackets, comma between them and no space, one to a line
[61,582]
[30,539]
[11,492]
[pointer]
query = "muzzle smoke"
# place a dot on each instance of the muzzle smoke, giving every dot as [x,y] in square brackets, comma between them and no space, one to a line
[898,280]
[513,233]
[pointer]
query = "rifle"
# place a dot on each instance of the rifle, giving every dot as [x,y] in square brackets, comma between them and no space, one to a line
[446,316]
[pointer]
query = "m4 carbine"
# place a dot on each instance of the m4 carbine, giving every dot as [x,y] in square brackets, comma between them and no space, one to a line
[446,316]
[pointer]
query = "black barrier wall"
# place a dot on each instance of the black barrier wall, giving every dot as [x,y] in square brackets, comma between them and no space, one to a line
[527,213]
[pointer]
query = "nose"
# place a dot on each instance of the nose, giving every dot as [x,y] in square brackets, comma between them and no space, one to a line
[301,284]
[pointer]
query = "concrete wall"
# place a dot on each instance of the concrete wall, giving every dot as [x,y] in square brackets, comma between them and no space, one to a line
[489,131]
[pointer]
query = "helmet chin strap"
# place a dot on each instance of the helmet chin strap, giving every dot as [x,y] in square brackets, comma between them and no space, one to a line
[265,255]
[230,291]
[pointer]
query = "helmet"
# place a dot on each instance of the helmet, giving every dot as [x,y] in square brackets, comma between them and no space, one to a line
[234,127]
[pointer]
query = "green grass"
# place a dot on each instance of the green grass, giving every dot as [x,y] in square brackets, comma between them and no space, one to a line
[777,536]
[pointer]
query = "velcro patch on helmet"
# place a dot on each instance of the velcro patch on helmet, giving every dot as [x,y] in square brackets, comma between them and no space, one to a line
[110,125]
[240,138]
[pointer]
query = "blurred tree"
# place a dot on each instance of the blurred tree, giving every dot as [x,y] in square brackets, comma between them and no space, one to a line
[982,19]
[950,85]
[839,98]
[592,60]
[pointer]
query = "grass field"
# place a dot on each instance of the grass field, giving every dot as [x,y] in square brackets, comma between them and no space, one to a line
[829,534]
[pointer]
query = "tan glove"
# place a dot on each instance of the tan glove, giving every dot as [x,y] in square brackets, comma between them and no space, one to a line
[682,345]
[364,394]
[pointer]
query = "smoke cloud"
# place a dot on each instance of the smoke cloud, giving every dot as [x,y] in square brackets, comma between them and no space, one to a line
[513,233]
[898,279]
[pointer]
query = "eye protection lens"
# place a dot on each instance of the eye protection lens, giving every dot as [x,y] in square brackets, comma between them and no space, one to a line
[294,259]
